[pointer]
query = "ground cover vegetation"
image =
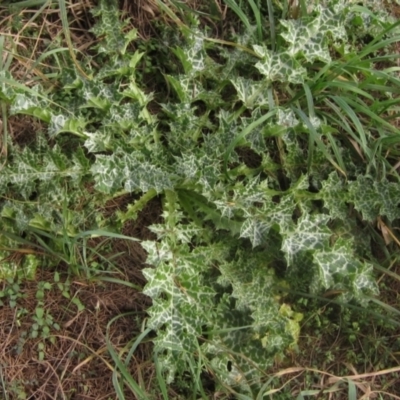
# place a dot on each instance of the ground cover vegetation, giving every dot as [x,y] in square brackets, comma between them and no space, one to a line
[199,199]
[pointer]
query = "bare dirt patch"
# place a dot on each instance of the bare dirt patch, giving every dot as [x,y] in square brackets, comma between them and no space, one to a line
[76,363]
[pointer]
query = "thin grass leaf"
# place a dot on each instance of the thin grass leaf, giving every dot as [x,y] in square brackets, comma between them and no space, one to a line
[350,87]
[257,16]
[200,366]
[314,137]
[101,232]
[161,381]
[1,52]
[65,24]
[117,386]
[364,109]
[20,240]
[43,56]
[303,8]
[239,12]
[385,306]
[335,149]
[385,58]
[376,74]
[271,20]
[271,101]
[310,102]
[342,122]
[49,250]
[173,16]
[310,392]
[196,372]
[24,88]
[137,341]
[373,314]
[132,384]
[341,102]
[29,3]
[377,46]
[243,134]
[264,387]
[107,259]
[379,88]
[381,107]
[183,8]
[38,13]
[311,112]
[329,72]
[120,282]
[377,42]
[352,390]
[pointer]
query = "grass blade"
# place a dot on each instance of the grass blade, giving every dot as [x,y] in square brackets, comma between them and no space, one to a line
[28,3]
[350,87]
[362,139]
[160,379]
[257,16]
[243,134]
[132,384]
[352,392]
[271,24]
[120,282]
[117,386]
[239,12]
[314,137]
[101,232]
[65,24]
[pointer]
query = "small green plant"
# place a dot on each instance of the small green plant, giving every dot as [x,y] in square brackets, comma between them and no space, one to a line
[43,321]
[12,292]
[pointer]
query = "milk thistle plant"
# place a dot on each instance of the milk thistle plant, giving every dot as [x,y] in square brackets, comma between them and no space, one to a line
[274,153]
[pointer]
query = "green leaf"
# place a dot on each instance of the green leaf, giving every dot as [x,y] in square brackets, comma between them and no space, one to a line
[181,301]
[375,198]
[110,28]
[251,93]
[308,37]
[31,105]
[254,230]
[339,269]
[310,233]
[193,55]
[39,311]
[107,172]
[280,67]
[335,196]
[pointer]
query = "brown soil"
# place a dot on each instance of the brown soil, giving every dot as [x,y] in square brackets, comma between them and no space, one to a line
[77,363]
